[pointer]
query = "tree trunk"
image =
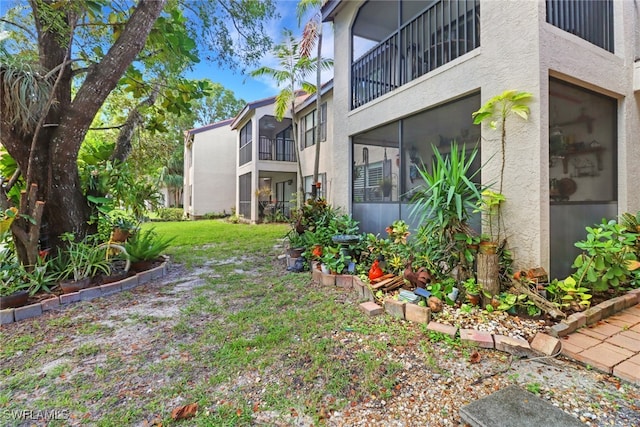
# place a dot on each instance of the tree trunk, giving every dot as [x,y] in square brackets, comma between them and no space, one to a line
[51,164]
[316,164]
[489,276]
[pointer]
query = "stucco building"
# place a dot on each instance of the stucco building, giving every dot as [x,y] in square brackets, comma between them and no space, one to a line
[409,74]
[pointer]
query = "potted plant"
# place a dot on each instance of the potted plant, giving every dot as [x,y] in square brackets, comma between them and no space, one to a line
[79,262]
[472,289]
[122,226]
[144,247]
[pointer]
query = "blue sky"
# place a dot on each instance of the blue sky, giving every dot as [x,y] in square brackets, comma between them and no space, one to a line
[247,87]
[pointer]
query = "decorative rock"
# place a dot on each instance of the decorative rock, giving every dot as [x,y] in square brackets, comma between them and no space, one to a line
[546,344]
[371,308]
[6,316]
[478,338]
[418,314]
[27,312]
[435,304]
[395,308]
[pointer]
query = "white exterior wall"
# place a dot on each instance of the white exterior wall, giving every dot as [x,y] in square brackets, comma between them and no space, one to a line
[256,166]
[210,171]
[519,50]
[307,155]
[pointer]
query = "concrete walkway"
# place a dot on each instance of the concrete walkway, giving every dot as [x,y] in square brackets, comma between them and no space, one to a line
[611,345]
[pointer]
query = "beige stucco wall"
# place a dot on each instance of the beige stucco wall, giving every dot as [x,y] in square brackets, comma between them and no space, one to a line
[307,155]
[519,50]
[210,176]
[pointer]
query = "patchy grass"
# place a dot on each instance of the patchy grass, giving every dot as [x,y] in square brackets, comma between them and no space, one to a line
[247,337]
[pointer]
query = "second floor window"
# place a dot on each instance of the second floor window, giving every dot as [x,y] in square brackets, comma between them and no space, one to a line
[245,135]
[308,127]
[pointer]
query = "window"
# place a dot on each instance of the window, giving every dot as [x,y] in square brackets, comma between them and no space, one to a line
[308,182]
[308,127]
[245,144]
[245,135]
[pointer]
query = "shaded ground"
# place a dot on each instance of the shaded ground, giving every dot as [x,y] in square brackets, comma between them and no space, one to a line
[253,345]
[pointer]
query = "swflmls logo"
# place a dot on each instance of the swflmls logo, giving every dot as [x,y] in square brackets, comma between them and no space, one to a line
[37,415]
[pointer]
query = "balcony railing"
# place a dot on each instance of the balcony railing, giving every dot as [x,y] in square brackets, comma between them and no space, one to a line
[244,156]
[276,149]
[591,20]
[443,32]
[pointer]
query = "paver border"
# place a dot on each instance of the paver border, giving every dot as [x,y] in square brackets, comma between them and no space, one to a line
[57,302]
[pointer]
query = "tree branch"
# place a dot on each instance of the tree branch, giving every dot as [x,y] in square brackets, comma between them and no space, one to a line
[22,27]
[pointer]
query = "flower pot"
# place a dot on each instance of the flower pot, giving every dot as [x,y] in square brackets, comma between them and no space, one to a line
[295,252]
[140,266]
[16,299]
[69,286]
[488,247]
[119,235]
[474,299]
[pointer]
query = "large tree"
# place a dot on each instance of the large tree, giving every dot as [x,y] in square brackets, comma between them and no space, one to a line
[64,58]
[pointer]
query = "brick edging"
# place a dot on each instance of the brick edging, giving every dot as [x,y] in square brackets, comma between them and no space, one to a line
[11,315]
[545,343]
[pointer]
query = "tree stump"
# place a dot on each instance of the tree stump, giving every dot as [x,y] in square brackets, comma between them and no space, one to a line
[488,276]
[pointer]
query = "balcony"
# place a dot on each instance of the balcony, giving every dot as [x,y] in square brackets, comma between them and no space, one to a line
[591,20]
[442,32]
[278,149]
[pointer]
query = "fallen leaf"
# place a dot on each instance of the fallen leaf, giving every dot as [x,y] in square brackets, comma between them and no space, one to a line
[256,407]
[185,411]
[238,412]
[474,357]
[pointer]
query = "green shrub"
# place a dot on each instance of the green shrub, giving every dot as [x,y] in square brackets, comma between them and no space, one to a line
[146,245]
[170,214]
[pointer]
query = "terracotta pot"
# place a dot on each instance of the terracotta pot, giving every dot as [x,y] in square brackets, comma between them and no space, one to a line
[16,299]
[473,299]
[119,235]
[296,252]
[69,286]
[140,266]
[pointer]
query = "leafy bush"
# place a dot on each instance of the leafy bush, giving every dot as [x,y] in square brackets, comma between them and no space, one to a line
[607,252]
[170,214]
[81,259]
[146,245]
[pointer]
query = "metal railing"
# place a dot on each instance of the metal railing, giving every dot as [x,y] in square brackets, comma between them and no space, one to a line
[443,32]
[276,149]
[244,155]
[591,20]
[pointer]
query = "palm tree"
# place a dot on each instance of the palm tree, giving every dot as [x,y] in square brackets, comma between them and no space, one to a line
[312,36]
[293,68]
